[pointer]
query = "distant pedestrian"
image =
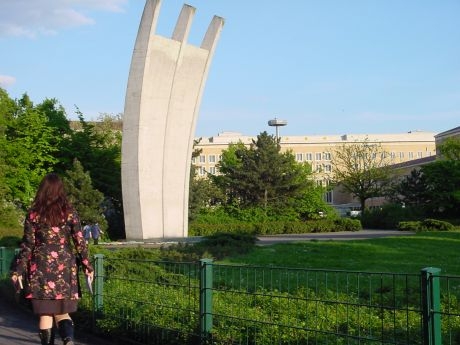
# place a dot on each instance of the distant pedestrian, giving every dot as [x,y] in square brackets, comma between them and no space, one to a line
[46,267]
[96,232]
[87,232]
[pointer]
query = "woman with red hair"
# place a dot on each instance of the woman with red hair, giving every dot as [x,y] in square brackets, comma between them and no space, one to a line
[51,244]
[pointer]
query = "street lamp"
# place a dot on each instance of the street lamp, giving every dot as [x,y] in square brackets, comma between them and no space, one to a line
[277,123]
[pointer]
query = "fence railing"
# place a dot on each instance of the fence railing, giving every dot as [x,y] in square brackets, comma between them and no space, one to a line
[152,302]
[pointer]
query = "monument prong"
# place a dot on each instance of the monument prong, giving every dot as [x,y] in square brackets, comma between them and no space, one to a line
[165,86]
[184,23]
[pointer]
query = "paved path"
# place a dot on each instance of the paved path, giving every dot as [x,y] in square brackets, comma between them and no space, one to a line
[331,236]
[267,240]
[18,326]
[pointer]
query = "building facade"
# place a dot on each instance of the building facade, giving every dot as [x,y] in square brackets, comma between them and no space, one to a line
[318,151]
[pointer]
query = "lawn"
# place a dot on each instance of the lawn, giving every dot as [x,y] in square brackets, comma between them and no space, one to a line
[405,254]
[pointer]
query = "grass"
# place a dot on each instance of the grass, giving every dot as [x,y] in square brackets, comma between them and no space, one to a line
[402,254]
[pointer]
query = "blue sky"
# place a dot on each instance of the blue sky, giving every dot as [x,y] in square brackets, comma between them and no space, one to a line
[325,66]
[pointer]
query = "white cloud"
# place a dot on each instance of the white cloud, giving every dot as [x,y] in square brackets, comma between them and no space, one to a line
[6,80]
[45,17]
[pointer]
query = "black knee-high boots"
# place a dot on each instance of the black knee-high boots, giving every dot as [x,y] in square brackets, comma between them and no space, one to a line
[65,328]
[47,336]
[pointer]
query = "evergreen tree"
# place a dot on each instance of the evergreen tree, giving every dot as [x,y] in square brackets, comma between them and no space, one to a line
[410,190]
[86,199]
[442,180]
[263,176]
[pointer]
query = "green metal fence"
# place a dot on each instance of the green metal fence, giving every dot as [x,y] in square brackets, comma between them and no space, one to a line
[151,302]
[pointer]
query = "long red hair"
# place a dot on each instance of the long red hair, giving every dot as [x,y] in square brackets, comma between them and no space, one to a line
[51,202]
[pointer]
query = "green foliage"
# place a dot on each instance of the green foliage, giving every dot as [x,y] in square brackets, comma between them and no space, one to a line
[37,139]
[389,215]
[362,169]
[426,225]
[410,190]
[450,148]
[10,215]
[222,245]
[10,241]
[266,182]
[98,149]
[257,304]
[86,199]
[277,227]
[29,150]
[443,187]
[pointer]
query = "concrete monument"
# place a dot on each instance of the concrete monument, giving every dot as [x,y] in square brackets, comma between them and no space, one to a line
[165,86]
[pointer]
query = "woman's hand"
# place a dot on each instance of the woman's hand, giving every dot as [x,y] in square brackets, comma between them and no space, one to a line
[17,281]
[90,275]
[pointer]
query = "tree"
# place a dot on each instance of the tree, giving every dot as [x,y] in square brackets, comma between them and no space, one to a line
[29,152]
[410,190]
[86,199]
[450,148]
[203,193]
[362,169]
[442,179]
[263,176]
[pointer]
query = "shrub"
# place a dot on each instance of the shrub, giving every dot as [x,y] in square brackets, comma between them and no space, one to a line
[436,225]
[389,215]
[10,241]
[426,225]
[409,226]
[277,227]
[348,224]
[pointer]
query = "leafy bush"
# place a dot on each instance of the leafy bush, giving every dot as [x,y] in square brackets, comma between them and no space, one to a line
[426,225]
[10,241]
[11,217]
[348,224]
[409,226]
[388,216]
[277,227]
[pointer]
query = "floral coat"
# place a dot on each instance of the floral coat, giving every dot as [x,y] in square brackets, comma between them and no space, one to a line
[48,258]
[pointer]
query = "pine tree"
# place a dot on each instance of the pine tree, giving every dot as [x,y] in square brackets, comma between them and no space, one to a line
[87,200]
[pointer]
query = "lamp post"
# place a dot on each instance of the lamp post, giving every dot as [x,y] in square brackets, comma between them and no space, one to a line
[277,123]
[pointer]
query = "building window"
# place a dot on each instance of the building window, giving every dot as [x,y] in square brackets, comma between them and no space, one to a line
[308,157]
[299,157]
[401,155]
[327,167]
[327,156]
[411,155]
[212,170]
[318,167]
[393,155]
[212,158]
[328,197]
[201,171]
[202,159]
[419,154]
[318,156]
[193,160]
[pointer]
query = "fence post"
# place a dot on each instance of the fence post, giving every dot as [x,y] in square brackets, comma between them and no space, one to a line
[205,298]
[7,256]
[431,306]
[3,261]
[98,283]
